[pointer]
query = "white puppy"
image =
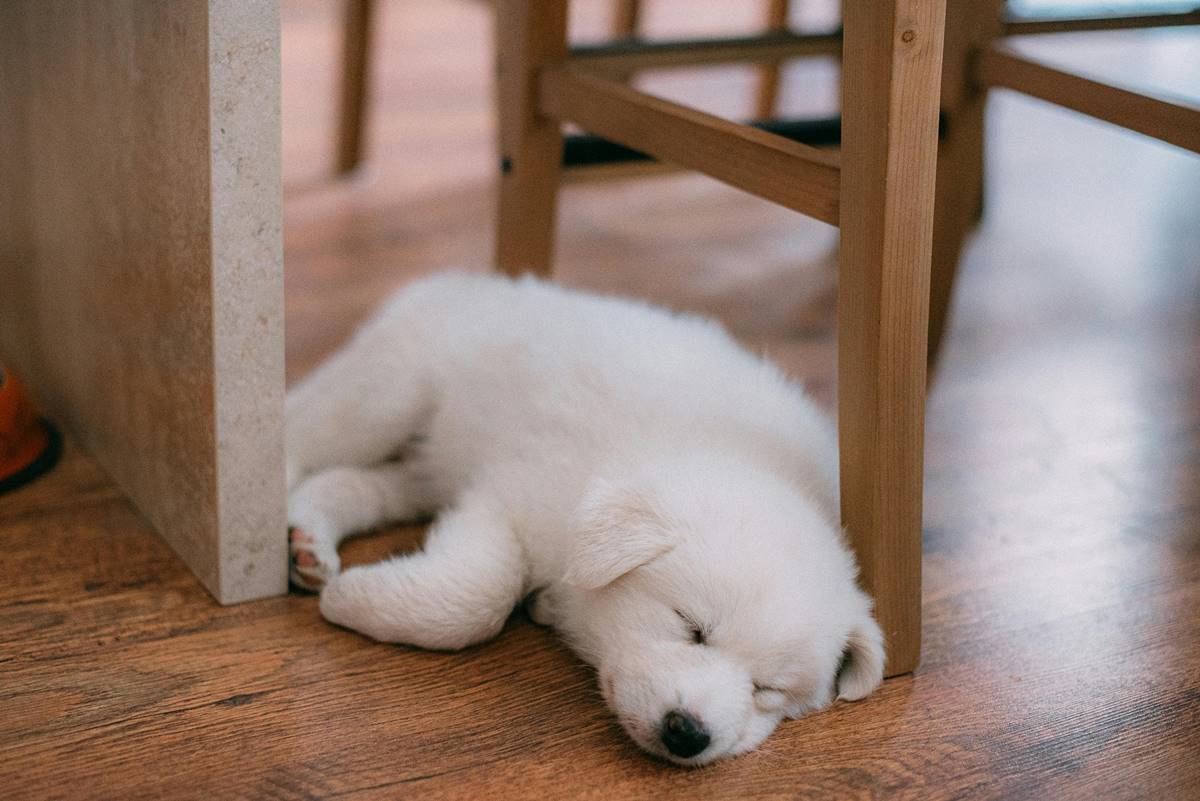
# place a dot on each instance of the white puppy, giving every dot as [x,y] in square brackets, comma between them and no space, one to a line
[669,499]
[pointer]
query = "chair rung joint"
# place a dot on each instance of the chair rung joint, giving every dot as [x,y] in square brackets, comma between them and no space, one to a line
[794,175]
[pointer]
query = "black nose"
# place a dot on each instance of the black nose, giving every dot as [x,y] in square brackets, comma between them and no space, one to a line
[683,735]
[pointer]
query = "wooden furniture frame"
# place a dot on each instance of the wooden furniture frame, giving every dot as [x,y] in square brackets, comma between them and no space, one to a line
[358,33]
[879,189]
[978,55]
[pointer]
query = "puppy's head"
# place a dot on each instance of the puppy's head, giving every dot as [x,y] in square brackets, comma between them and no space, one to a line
[715,601]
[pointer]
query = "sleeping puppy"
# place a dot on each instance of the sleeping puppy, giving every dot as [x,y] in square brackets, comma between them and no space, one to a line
[666,499]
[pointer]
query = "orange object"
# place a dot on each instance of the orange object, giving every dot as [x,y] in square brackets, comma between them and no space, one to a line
[29,446]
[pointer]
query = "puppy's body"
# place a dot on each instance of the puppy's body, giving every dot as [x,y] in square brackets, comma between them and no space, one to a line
[671,497]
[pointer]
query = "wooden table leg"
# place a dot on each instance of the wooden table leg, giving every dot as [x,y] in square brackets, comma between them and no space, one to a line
[531,34]
[891,72]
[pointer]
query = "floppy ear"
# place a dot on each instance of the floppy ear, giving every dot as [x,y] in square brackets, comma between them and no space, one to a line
[862,663]
[616,530]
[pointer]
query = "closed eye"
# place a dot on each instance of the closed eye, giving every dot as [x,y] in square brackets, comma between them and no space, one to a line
[770,699]
[697,632]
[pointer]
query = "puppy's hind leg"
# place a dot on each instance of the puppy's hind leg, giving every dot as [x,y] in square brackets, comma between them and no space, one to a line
[334,503]
[359,407]
[458,591]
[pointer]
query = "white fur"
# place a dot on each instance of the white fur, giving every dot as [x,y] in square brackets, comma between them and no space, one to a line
[634,468]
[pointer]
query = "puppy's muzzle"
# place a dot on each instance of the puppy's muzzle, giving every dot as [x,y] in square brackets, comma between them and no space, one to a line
[683,735]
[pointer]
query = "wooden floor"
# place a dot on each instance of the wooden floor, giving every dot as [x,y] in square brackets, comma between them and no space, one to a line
[1062,583]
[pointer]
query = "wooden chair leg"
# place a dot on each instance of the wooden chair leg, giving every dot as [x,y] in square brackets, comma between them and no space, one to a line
[960,155]
[627,18]
[769,74]
[356,60]
[531,34]
[891,71]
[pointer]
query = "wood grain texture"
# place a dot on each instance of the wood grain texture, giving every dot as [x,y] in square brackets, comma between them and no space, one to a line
[797,176]
[1169,118]
[530,36]
[891,76]
[1061,565]
[142,266]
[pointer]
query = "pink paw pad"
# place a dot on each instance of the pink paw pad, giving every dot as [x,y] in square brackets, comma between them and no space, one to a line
[307,572]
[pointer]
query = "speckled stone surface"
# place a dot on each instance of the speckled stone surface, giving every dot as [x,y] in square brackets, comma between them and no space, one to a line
[244,90]
[140,260]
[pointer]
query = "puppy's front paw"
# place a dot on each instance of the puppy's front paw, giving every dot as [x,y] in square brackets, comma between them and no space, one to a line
[313,561]
[352,600]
